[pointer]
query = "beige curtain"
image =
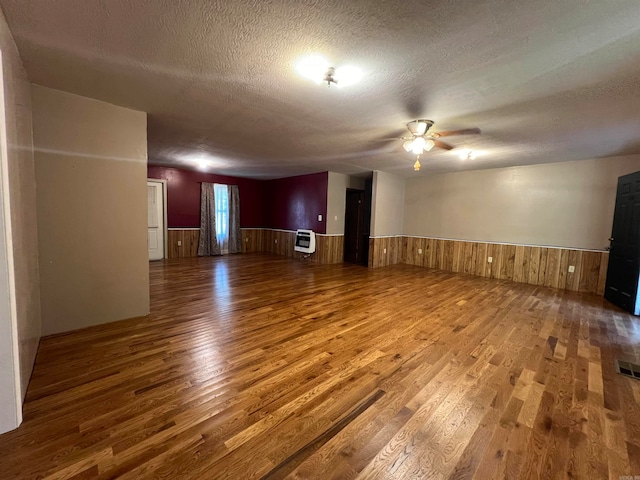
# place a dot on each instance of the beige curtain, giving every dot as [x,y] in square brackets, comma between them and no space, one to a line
[235,236]
[208,244]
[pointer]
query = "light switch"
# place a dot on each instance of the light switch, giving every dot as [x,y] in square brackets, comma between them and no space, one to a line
[490,260]
[384,251]
[336,218]
[179,243]
[419,251]
[572,268]
[319,218]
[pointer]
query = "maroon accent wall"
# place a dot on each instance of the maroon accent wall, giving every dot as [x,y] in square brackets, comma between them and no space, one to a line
[183,196]
[286,203]
[296,202]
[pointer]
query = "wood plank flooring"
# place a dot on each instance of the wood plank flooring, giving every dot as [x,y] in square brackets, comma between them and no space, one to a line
[257,366]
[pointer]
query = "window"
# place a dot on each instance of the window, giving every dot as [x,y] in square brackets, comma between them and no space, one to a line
[221,193]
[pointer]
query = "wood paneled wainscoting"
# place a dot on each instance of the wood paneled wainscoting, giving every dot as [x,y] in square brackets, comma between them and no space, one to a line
[329,248]
[252,240]
[183,242]
[384,251]
[547,266]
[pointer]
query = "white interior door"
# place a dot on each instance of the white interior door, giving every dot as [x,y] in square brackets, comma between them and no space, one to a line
[155,220]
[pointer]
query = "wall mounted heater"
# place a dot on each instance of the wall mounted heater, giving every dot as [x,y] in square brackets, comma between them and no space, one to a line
[305,241]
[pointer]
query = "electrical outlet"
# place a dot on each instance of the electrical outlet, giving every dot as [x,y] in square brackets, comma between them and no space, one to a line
[276,240]
[246,240]
[179,243]
[572,268]
[490,260]
[419,251]
[384,251]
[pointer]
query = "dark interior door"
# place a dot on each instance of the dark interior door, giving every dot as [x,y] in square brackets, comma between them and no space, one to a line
[624,259]
[354,227]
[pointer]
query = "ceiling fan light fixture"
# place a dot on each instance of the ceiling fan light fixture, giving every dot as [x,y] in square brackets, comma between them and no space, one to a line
[408,145]
[418,146]
[428,145]
[421,141]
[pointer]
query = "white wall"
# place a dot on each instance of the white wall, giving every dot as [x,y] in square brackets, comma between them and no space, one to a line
[20,284]
[387,204]
[337,198]
[91,173]
[566,204]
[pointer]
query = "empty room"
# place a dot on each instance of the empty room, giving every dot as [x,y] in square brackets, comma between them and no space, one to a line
[319,240]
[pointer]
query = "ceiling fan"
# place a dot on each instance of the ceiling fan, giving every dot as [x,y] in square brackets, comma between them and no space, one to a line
[421,140]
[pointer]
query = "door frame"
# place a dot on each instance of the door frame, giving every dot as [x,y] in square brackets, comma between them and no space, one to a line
[165,232]
[10,382]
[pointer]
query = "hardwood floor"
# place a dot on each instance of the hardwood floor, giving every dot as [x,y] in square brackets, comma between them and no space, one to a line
[256,366]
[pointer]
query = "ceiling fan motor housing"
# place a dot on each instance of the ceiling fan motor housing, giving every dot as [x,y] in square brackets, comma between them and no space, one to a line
[420,126]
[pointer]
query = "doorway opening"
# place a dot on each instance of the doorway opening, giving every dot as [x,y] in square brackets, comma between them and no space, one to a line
[157,219]
[357,219]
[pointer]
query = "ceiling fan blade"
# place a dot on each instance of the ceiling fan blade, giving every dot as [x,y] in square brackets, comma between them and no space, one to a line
[444,146]
[391,139]
[451,133]
[398,134]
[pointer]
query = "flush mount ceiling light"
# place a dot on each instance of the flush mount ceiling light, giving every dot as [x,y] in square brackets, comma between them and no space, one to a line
[201,160]
[468,154]
[316,68]
[202,164]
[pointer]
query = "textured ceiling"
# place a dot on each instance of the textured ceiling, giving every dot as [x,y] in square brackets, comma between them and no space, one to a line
[546,81]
